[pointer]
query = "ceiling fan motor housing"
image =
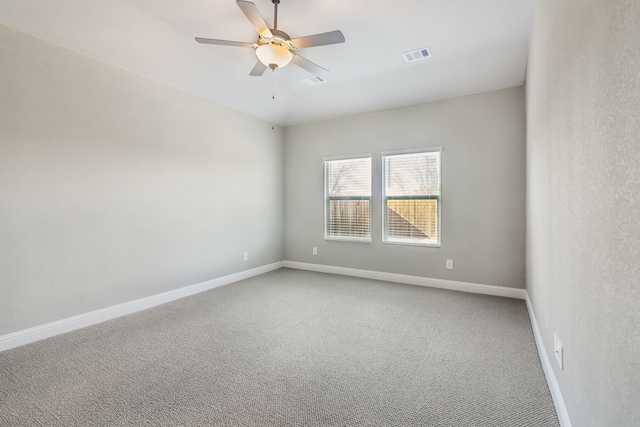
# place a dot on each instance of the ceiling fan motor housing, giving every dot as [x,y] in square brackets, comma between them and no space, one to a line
[279,37]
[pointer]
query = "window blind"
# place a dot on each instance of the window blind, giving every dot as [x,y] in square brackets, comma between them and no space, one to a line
[348,198]
[412,198]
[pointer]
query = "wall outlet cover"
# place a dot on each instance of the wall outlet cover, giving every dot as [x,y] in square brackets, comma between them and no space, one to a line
[558,350]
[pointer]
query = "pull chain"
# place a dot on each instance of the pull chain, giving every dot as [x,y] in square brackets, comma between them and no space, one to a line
[273,69]
[273,99]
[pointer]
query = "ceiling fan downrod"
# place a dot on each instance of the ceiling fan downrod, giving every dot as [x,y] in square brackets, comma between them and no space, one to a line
[275,13]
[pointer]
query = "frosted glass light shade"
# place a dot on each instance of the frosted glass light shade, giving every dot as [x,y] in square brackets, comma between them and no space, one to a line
[273,55]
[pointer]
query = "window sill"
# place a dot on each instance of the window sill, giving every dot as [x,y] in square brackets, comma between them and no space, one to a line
[411,243]
[347,239]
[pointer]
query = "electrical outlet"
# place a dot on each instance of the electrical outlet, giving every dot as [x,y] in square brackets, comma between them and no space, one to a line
[559,351]
[315,250]
[245,256]
[449,264]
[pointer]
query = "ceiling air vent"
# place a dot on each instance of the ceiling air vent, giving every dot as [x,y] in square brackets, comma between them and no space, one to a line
[415,55]
[315,80]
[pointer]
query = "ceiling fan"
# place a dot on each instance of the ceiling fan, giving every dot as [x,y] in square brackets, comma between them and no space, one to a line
[275,49]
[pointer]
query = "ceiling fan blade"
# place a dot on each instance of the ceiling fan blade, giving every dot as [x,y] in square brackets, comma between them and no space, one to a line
[258,70]
[332,37]
[314,69]
[253,14]
[224,42]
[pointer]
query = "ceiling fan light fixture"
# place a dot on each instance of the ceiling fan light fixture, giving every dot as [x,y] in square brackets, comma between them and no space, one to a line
[274,55]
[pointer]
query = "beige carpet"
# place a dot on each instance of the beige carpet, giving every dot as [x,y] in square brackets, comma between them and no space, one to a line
[289,348]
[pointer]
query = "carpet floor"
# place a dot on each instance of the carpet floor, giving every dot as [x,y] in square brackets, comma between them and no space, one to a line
[289,348]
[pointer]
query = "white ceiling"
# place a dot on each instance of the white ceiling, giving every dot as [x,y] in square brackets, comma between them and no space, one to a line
[477,46]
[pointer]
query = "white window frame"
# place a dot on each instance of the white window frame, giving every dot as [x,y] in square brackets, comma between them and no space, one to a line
[385,239]
[327,199]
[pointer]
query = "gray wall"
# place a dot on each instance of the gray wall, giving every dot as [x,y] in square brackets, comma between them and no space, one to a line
[483,184]
[583,202]
[114,187]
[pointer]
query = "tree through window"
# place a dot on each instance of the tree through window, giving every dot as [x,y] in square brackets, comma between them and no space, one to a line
[347,189]
[412,197]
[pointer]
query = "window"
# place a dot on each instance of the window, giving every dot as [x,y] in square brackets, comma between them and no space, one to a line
[347,195]
[411,198]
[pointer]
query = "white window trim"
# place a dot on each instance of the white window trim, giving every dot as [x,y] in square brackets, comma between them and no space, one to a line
[325,217]
[434,149]
[348,156]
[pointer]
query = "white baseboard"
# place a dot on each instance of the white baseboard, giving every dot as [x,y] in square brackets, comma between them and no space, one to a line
[236,277]
[475,288]
[554,387]
[69,324]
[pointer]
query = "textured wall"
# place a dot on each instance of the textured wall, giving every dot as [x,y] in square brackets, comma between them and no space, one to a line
[483,183]
[114,187]
[583,201]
